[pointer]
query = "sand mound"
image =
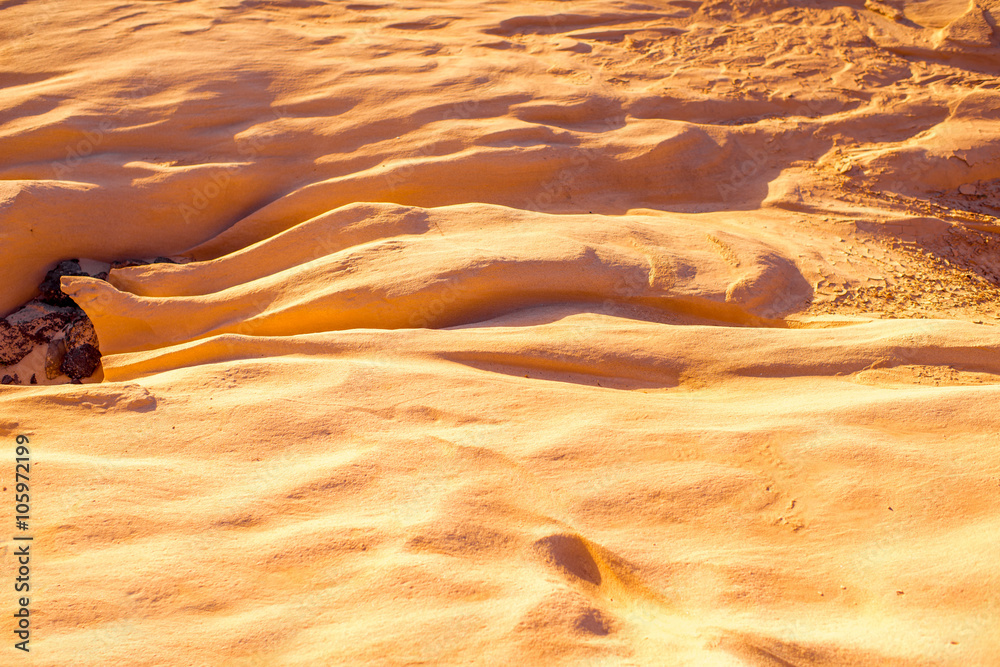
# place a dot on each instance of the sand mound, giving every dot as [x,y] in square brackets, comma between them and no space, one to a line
[611,333]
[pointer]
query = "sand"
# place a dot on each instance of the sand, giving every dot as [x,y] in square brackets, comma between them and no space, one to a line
[614,333]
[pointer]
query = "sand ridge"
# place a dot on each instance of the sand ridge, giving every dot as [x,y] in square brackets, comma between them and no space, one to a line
[612,333]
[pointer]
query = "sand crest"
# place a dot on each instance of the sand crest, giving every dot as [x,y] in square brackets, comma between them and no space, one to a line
[518,333]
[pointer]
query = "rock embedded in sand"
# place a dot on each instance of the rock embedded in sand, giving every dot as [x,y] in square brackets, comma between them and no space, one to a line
[81,362]
[14,344]
[126,263]
[81,333]
[54,358]
[55,322]
[82,356]
[51,291]
[43,329]
[968,189]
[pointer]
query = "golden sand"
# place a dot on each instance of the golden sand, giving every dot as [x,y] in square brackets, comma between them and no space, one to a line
[602,333]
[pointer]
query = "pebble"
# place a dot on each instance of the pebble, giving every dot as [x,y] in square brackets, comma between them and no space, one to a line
[54,358]
[81,333]
[51,290]
[81,362]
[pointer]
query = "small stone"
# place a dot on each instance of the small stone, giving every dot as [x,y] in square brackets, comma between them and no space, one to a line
[968,189]
[54,358]
[34,380]
[81,362]
[899,592]
[163,260]
[7,379]
[51,291]
[14,344]
[81,333]
[125,263]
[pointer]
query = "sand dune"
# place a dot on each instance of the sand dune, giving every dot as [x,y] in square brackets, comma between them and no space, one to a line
[655,333]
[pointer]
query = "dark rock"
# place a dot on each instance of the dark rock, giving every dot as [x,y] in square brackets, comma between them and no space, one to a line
[81,362]
[41,329]
[54,358]
[8,380]
[33,379]
[81,333]
[103,275]
[125,263]
[51,292]
[163,260]
[14,344]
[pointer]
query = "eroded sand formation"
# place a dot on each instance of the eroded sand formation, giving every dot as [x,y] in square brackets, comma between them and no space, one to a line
[50,338]
[603,333]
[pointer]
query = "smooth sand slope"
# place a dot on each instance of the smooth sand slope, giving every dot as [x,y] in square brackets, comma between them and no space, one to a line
[656,333]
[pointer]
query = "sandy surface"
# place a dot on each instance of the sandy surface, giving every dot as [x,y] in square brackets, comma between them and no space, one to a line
[656,333]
